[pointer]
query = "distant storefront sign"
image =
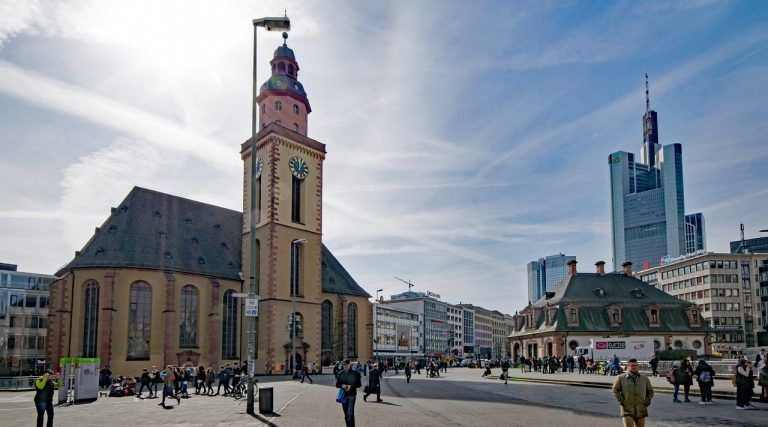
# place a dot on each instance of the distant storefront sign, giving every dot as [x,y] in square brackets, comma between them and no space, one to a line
[610,345]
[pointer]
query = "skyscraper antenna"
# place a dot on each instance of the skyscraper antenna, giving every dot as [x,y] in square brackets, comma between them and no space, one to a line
[647,101]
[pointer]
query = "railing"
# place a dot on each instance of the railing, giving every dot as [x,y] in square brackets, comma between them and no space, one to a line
[17,383]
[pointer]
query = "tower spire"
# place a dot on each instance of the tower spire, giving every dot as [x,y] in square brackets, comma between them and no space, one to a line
[647,100]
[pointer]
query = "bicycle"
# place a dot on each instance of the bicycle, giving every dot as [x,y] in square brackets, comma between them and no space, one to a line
[241,389]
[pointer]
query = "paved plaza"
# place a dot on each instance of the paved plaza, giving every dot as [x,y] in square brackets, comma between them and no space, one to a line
[460,397]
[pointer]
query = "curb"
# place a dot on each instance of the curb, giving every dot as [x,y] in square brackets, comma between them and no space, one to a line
[715,394]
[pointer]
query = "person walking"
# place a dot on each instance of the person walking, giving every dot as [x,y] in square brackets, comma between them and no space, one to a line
[744,385]
[582,363]
[654,362]
[522,364]
[145,381]
[44,398]
[374,384]
[705,376]
[762,381]
[305,374]
[407,372]
[210,378]
[223,381]
[505,369]
[156,379]
[349,380]
[169,377]
[634,392]
[683,377]
[105,377]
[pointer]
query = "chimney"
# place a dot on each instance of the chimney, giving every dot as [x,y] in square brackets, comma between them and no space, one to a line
[600,267]
[627,267]
[572,267]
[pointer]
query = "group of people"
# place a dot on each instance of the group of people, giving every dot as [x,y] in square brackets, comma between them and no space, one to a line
[176,381]
[548,364]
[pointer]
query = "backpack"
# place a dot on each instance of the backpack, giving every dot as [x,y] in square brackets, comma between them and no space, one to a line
[705,376]
[671,376]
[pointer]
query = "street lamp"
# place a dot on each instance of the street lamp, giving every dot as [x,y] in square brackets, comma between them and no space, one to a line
[270,24]
[294,291]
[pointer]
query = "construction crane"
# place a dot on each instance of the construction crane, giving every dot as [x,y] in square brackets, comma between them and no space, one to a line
[407,282]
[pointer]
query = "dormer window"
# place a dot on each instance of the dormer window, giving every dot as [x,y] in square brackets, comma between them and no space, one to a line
[614,315]
[654,316]
[572,315]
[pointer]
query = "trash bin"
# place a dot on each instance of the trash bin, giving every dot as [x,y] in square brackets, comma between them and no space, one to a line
[266,402]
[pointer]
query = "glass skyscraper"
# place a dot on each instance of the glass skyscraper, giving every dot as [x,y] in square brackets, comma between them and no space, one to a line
[694,233]
[647,202]
[545,273]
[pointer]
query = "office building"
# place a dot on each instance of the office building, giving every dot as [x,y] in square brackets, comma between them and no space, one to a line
[435,330]
[647,201]
[695,236]
[483,333]
[726,288]
[397,334]
[456,330]
[545,274]
[468,319]
[747,246]
[24,300]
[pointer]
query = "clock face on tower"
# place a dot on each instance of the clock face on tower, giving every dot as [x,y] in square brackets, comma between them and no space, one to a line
[258,168]
[299,167]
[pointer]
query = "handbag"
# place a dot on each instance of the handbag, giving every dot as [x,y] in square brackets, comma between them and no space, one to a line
[341,397]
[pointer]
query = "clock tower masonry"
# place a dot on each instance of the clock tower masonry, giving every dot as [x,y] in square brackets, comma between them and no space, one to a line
[288,180]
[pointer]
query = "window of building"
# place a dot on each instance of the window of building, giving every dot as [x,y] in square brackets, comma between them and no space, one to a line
[654,316]
[325,324]
[90,318]
[296,109]
[278,106]
[295,127]
[352,330]
[296,190]
[281,67]
[290,69]
[188,315]
[616,315]
[296,278]
[139,321]
[229,326]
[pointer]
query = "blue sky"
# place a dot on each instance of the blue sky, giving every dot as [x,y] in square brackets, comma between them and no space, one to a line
[464,138]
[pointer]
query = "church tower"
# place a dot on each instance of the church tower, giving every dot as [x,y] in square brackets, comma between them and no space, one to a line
[288,176]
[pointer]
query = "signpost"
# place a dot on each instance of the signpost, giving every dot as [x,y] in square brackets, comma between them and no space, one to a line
[252,307]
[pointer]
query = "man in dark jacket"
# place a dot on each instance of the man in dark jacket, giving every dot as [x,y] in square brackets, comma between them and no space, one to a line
[654,362]
[44,398]
[505,369]
[144,381]
[374,384]
[349,380]
[582,363]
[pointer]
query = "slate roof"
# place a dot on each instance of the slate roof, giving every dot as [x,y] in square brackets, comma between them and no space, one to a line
[593,293]
[158,231]
[336,279]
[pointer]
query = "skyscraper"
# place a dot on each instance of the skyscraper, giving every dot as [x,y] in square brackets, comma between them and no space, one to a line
[694,233]
[647,200]
[545,273]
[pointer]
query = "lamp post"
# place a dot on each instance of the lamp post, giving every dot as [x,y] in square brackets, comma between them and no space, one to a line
[294,291]
[376,326]
[270,24]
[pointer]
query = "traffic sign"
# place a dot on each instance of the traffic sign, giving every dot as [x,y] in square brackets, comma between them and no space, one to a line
[252,307]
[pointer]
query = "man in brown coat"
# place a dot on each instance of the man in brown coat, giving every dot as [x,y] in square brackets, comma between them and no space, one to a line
[634,393]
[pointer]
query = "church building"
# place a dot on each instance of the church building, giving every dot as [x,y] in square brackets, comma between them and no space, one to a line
[158,282]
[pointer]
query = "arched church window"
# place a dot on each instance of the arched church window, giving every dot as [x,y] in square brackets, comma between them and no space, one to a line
[90,318]
[325,324]
[281,67]
[229,326]
[139,321]
[188,308]
[352,330]
[278,106]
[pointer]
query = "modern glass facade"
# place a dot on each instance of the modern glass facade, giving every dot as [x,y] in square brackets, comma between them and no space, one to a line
[23,321]
[694,233]
[397,332]
[647,202]
[546,273]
